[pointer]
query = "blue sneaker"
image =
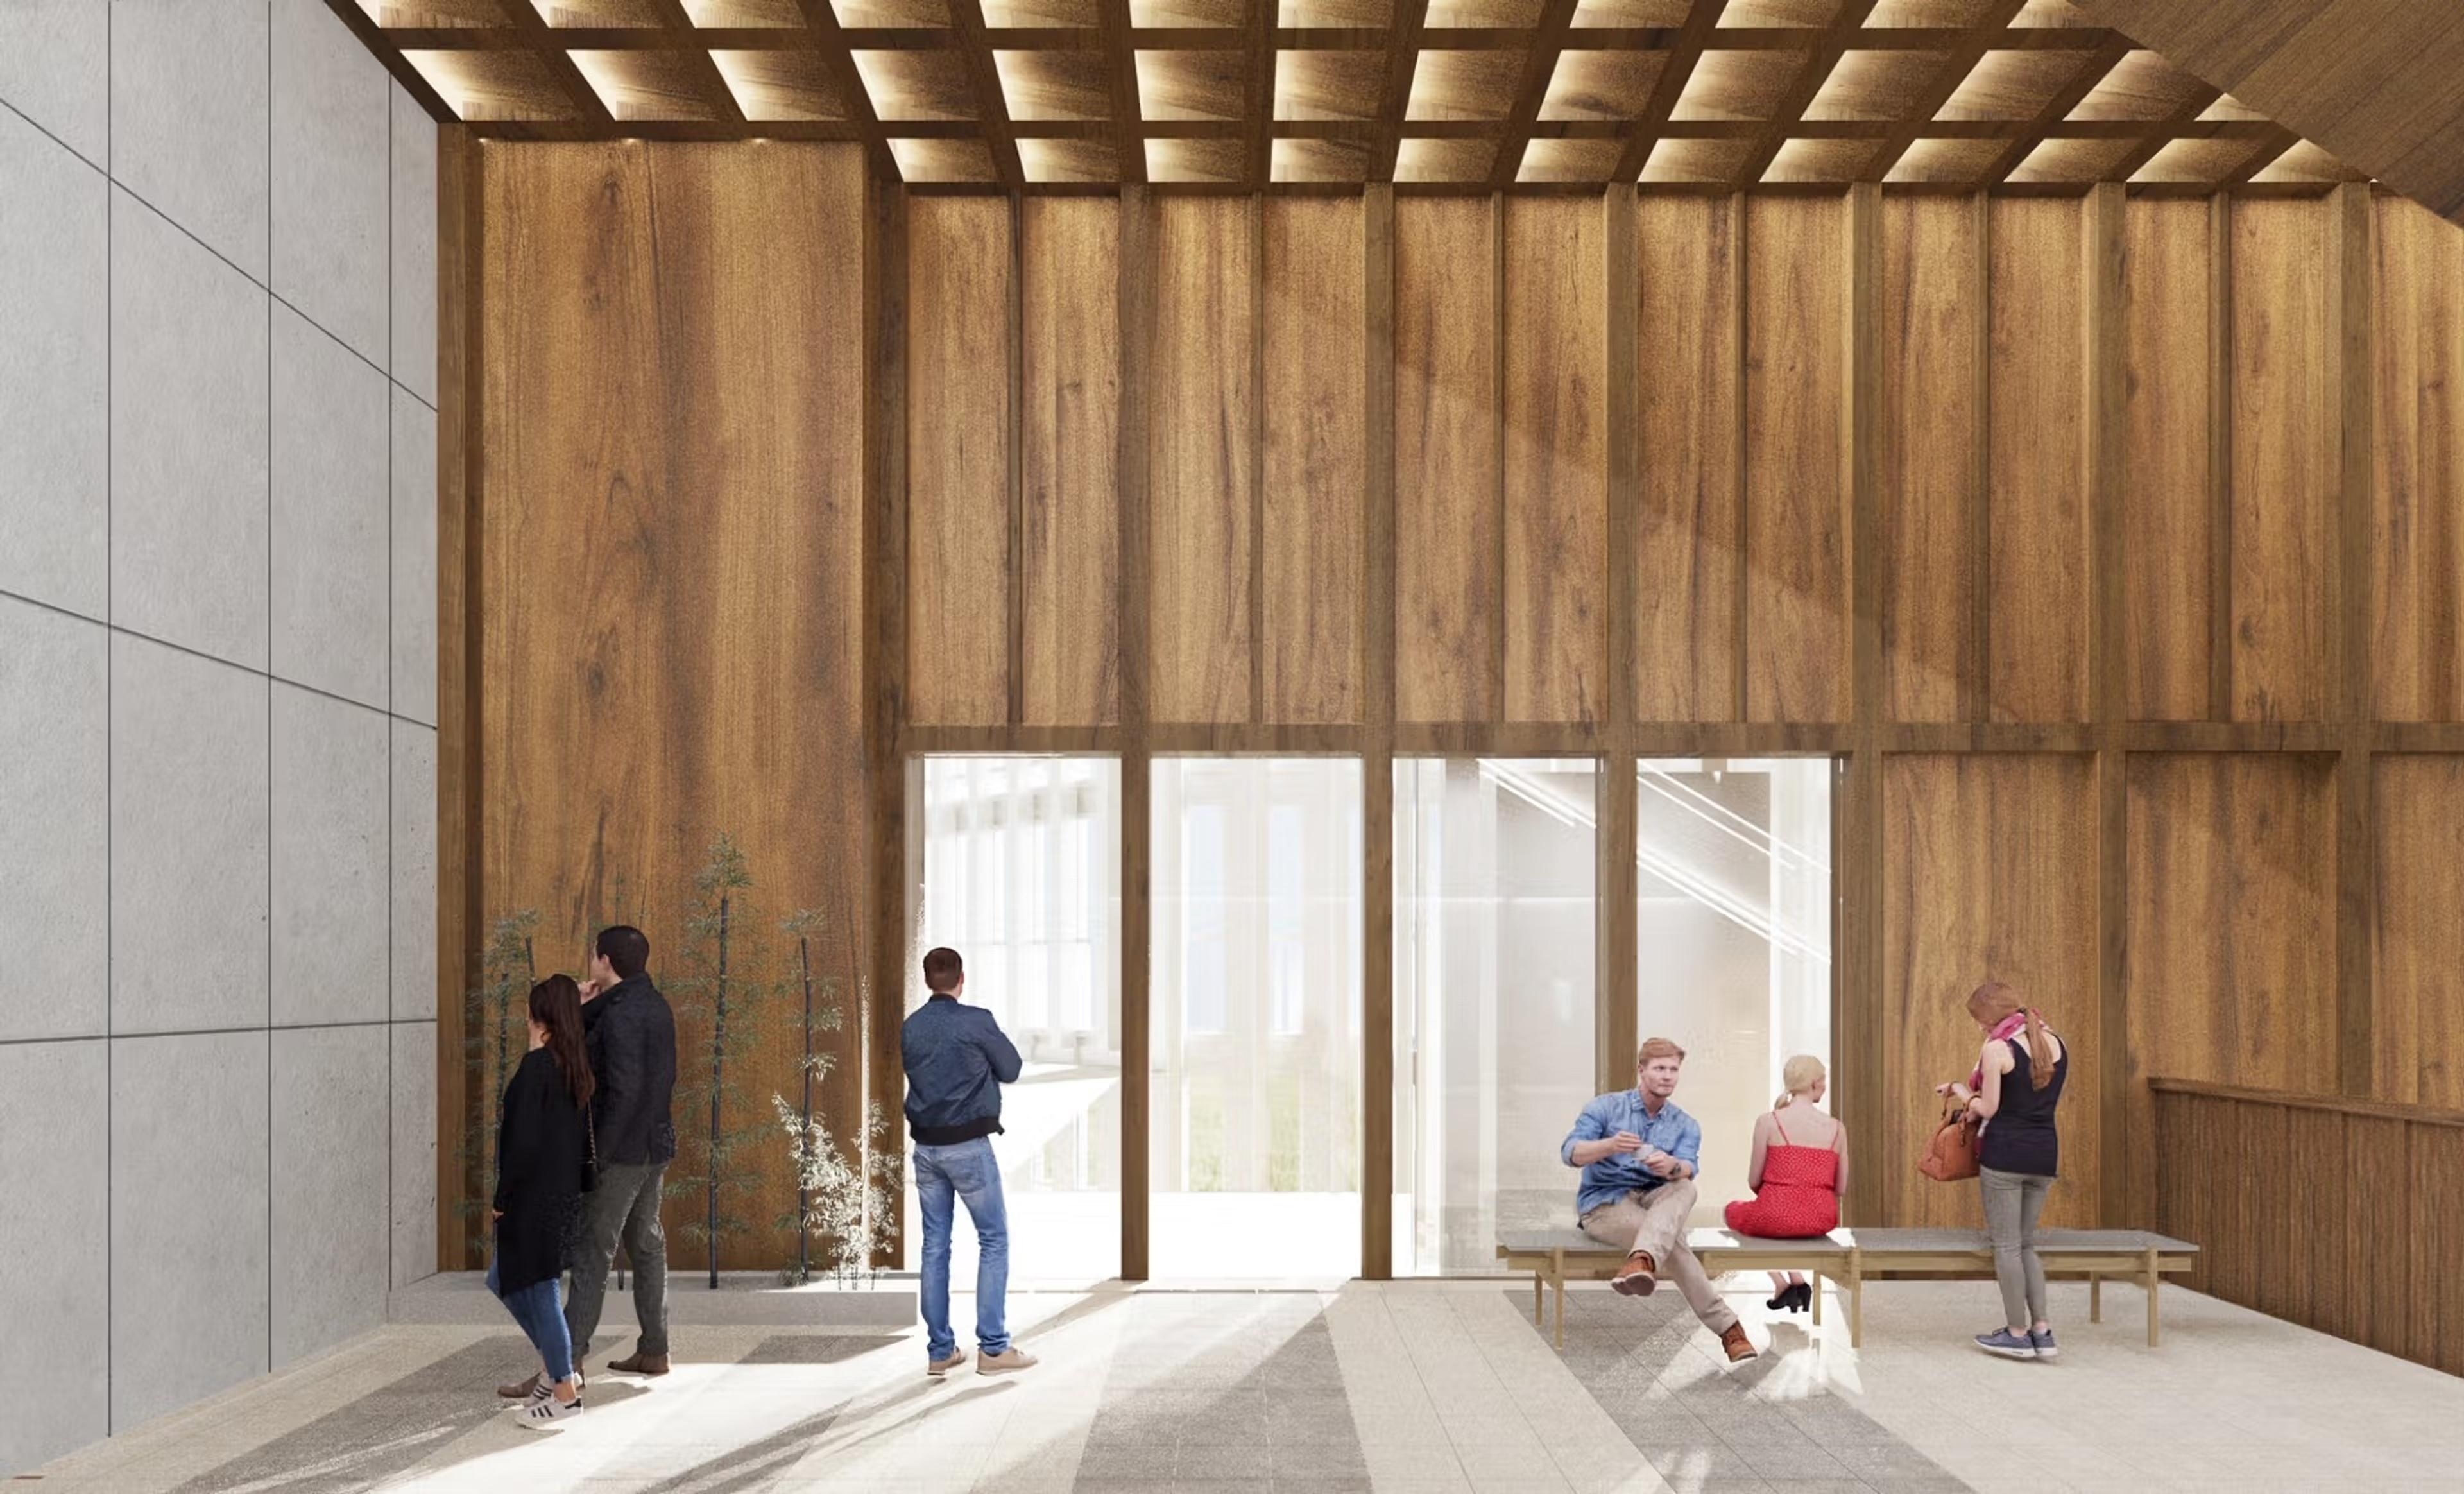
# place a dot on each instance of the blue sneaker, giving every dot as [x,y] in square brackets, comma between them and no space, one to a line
[2045,1347]
[2009,1345]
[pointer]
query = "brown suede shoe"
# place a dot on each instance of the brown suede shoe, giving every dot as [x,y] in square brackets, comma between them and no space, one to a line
[641,1363]
[1734,1339]
[520,1390]
[1634,1280]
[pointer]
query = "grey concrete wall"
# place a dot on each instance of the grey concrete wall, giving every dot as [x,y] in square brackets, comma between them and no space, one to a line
[217,702]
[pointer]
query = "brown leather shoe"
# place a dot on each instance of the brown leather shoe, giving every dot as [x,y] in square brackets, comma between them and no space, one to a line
[520,1390]
[641,1363]
[1734,1339]
[1635,1279]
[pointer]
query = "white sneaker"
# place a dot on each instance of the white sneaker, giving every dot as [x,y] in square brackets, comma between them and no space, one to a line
[545,1411]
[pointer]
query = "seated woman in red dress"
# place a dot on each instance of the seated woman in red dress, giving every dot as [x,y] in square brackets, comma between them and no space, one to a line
[1798,1167]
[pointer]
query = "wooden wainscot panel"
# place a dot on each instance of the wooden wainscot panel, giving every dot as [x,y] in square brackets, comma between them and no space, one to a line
[2417,524]
[2286,454]
[957,460]
[1685,575]
[673,532]
[1316,458]
[2232,926]
[1070,395]
[1991,866]
[2038,666]
[2167,516]
[1448,539]
[2417,947]
[1932,494]
[1796,453]
[1556,460]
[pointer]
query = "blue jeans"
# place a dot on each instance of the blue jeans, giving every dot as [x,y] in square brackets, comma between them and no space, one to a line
[966,1171]
[543,1321]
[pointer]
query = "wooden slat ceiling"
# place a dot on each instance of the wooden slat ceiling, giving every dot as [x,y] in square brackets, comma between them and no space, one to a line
[1055,95]
[2382,84]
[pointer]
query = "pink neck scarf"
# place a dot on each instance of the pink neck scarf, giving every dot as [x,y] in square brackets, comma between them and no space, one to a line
[2005,1028]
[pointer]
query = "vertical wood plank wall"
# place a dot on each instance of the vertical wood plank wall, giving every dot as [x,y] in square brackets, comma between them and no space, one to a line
[1333,474]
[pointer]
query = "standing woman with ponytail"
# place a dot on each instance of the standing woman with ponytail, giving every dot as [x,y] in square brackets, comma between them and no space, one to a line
[2016,1084]
[543,1144]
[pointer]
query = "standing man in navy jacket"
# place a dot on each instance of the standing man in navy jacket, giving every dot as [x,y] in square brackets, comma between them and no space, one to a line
[957,1059]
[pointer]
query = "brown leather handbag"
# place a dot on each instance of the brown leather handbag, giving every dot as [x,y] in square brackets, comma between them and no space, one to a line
[1951,1152]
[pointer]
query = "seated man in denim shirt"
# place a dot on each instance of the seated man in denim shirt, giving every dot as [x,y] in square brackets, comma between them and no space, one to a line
[1640,1154]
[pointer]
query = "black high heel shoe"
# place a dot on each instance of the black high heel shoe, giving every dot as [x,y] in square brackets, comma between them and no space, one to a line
[1782,1302]
[1801,1297]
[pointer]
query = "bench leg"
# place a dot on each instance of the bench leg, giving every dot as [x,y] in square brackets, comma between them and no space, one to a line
[1537,1315]
[1855,1304]
[2154,1282]
[1561,1310]
[2094,1298]
[1818,1297]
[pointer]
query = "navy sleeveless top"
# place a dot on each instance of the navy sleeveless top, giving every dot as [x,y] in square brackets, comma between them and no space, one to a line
[2020,1137]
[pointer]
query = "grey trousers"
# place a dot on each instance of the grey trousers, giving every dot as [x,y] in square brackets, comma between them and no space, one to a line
[2014,1202]
[624,1207]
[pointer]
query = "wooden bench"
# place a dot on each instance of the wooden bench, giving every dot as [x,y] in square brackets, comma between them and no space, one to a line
[1853,1257]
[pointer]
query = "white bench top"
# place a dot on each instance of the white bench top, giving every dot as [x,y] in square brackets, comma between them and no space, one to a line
[1870,1241]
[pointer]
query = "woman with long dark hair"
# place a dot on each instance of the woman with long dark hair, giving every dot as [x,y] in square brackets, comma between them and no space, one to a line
[542,1147]
[2016,1084]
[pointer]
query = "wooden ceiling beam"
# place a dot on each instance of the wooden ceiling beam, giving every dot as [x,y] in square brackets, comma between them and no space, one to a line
[2274,142]
[1961,62]
[550,50]
[1402,61]
[1121,73]
[1539,67]
[378,42]
[1674,75]
[1845,28]
[822,33]
[992,105]
[2091,73]
[1215,38]
[706,75]
[1257,166]
[2180,124]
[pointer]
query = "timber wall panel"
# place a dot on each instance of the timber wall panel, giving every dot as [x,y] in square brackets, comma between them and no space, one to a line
[1556,460]
[2418,522]
[1316,458]
[2364,1255]
[2417,1021]
[1685,577]
[2287,454]
[1448,534]
[1991,868]
[1199,454]
[1069,395]
[1797,456]
[957,460]
[2036,378]
[672,552]
[2167,513]
[2232,917]
[1932,354]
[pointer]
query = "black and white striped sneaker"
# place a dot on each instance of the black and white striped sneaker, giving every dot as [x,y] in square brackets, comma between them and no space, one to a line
[546,1411]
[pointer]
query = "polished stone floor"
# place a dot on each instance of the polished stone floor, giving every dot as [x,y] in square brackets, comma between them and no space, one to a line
[1443,1388]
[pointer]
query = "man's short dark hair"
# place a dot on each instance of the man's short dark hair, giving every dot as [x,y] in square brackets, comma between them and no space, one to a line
[626,949]
[942,969]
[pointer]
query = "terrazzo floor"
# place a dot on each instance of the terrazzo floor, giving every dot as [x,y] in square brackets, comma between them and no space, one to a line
[1429,1387]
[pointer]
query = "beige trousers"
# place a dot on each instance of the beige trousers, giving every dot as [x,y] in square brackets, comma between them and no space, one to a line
[1653,1222]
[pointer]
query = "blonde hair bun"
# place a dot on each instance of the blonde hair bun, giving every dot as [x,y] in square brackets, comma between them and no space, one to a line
[1798,1074]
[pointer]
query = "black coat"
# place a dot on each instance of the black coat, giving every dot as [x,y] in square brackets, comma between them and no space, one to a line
[632,1036]
[540,1148]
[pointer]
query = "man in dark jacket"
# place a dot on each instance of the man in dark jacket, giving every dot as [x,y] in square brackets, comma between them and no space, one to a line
[957,1060]
[632,1036]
